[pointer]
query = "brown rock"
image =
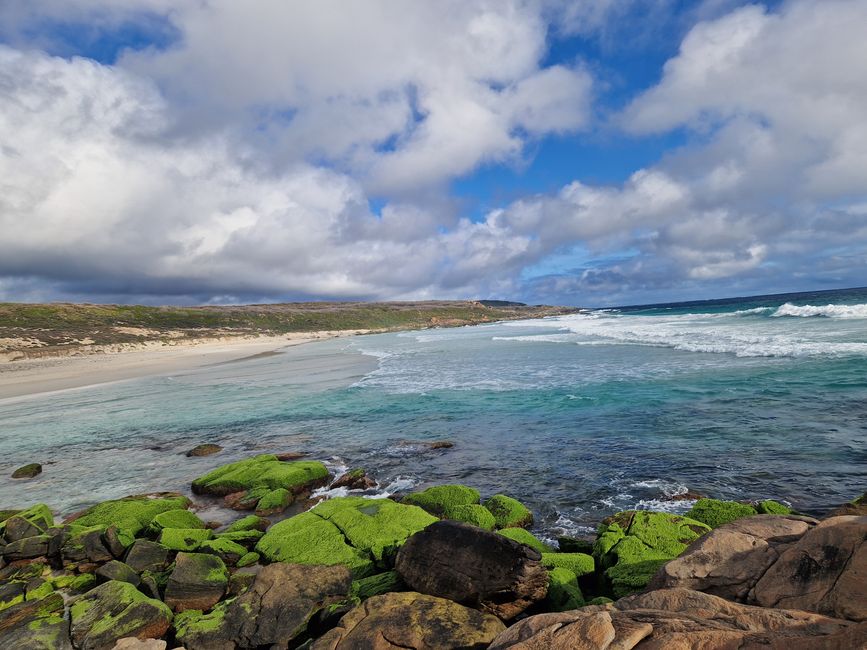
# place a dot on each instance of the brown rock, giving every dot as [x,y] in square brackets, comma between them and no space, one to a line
[240,501]
[474,567]
[825,571]
[856,507]
[28,471]
[198,581]
[355,479]
[291,455]
[728,561]
[412,621]
[204,450]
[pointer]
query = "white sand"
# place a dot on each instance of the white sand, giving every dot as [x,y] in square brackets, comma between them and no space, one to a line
[30,377]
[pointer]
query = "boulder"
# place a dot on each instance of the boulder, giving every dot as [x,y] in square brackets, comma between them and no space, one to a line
[30,470]
[824,571]
[198,581]
[27,523]
[631,546]
[114,610]
[178,518]
[27,548]
[413,621]
[381,583]
[472,514]
[856,507]
[131,515]
[728,561]
[203,450]
[474,567]
[35,625]
[272,612]
[580,564]
[509,512]
[274,501]
[354,479]
[264,471]
[115,570]
[680,619]
[131,643]
[184,539]
[525,537]
[250,522]
[714,512]
[225,549]
[84,544]
[563,591]
[145,555]
[436,500]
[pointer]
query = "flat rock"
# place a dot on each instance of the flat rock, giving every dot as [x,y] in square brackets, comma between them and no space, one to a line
[35,625]
[145,555]
[198,581]
[681,619]
[411,621]
[473,567]
[728,561]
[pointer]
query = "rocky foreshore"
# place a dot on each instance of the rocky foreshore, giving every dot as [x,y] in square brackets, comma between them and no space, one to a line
[438,568]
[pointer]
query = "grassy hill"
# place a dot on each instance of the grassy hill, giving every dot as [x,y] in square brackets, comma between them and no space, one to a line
[61,328]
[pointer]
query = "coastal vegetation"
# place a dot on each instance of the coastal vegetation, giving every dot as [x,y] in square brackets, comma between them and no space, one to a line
[436,568]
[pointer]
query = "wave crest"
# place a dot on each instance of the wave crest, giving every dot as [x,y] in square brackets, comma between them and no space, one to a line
[828,311]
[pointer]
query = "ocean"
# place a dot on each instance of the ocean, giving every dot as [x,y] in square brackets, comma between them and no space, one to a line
[578,416]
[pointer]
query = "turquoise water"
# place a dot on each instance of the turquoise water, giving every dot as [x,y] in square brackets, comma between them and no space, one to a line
[579,416]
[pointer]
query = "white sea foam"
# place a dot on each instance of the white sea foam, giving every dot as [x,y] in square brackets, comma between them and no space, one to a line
[828,311]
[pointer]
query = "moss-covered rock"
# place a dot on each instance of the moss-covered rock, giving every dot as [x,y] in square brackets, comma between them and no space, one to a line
[196,629]
[35,520]
[771,507]
[84,543]
[248,559]
[30,470]
[715,513]
[37,624]
[132,515]
[175,519]
[145,555]
[184,539]
[274,501]
[263,471]
[115,610]
[246,537]
[525,537]
[472,514]
[564,593]
[198,581]
[631,546]
[250,522]
[580,564]
[115,570]
[509,512]
[227,550]
[438,499]
[76,584]
[381,583]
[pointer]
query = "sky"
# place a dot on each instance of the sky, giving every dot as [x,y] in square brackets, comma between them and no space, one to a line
[576,152]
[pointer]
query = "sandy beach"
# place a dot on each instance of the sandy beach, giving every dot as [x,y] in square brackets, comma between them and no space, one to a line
[34,376]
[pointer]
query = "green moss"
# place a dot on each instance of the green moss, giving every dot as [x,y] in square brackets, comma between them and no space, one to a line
[13,600]
[310,539]
[263,471]
[242,536]
[38,515]
[770,507]
[564,594]
[274,501]
[436,500]
[251,522]
[600,600]
[175,519]
[509,512]
[75,583]
[193,622]
[632,545]
[184,539]
[225,548]
[525,537]
[40,592]
[115,608]
[381,583]
[715,513]
[580,564]
[472,514]
[248,559]
[131,515]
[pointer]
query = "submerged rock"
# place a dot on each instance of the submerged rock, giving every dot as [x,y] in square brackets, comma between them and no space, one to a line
[438,499]
[207,449]
[30,470]
[474,567]
[412,621]
[264,472]
[631,546]
[509,512]
[198,581]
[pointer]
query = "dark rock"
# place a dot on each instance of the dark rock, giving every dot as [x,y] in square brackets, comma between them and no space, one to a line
[291,455]
[411,620]
[114,610]
[575,545]
[27,523]
[474,567]
[145,555]
[115,570]
[442,444]
[355,479]
[84,544]
[150,587]
[856,507]
[27,548]
[35,625]
[114,541]
[28,471]
[198,581]
[204,450]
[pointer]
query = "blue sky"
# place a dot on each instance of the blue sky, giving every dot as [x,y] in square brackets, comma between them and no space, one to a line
[590,153]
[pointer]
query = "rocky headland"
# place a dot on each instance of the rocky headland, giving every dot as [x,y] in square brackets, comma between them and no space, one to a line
[438,568]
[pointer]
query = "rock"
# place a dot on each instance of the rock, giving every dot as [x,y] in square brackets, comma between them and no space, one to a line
[442,444]
[131,643]
[203,450]
[198,581]
[116,542]
[356,532]
[563,591]
[381,583]
[263,471]
[175,519]
[411,620]
[114,610]
[473,514]
[715,513]
[28,471]
[115,570]
[680,619]
[856,507]
[509,512]
[27,548]
[184,539]
[272,612]
[436,500]
[575,545]
[27,523]
[525,537]
[291,455]
[580,564]
[241,500]
[771,507]
[35,625]
[631,546]
[474,567]
[251,522]
[227,550]
[274,501]
[248,559]
[145,555]
[84,543]
[130,515]
[354,479]
[728,561]
[243,537]
[825,571]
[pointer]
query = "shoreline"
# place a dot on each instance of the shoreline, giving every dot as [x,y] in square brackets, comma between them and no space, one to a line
[29,377]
